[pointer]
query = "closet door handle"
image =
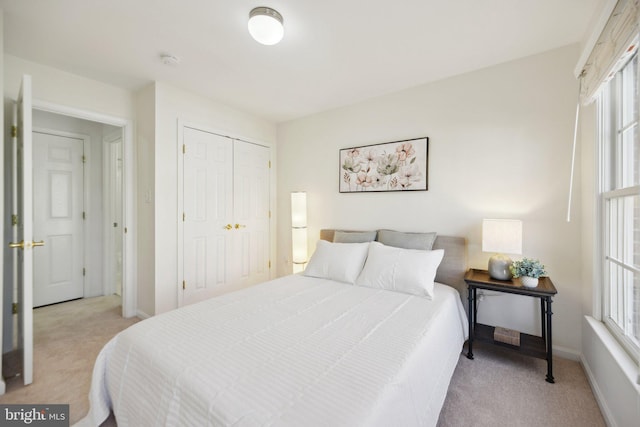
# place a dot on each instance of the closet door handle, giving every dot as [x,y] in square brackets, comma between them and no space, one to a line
[238,226]
[228,227]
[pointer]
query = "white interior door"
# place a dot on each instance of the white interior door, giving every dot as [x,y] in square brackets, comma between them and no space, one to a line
[115,212]
[251,213]
[58,201]
[24,241]
[207,210]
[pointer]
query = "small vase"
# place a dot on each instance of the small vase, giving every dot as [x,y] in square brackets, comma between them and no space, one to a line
[529,282]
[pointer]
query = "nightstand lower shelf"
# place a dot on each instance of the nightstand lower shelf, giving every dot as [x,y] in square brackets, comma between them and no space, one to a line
[530,345]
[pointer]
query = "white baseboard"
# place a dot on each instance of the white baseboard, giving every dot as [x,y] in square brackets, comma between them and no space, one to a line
[606,412]
[142,315]
[567,353]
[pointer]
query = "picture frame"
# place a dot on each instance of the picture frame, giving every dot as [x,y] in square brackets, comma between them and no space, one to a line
[389,166]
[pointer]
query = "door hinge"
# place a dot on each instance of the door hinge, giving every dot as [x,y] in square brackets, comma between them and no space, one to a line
[269,263]
[14,131]
[184,148]
[269,164]
[125,230]
[184,285]
[14,219]
[84,159]
[84,271]
[14,308]
[184,216]
[84,215]
[269,214]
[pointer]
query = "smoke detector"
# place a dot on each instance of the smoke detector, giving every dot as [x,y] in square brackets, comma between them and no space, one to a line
[168,59]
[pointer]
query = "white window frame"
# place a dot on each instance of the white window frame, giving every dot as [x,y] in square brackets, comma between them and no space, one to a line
[610,129]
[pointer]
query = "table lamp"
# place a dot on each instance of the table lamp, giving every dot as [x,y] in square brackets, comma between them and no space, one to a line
[501,236]
[299,230]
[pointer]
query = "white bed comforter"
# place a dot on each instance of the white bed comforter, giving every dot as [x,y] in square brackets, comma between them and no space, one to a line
[296,351]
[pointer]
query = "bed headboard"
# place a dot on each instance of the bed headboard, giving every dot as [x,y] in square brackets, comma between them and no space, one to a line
[453,266]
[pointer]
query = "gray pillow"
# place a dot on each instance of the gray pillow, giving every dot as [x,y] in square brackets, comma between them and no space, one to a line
[399,239]
[354,236]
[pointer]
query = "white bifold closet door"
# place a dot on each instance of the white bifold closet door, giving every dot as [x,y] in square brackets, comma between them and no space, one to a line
[225,215]
[251,213]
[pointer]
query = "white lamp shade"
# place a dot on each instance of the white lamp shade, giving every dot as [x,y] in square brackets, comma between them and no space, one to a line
[502,236]
[299,230]
[299,245]
[298,209]
[265,26]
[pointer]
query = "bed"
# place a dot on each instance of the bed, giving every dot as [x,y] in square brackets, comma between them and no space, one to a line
[294,351]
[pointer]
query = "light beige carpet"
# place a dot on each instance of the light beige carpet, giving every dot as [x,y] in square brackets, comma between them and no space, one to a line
[497,388]
[501,388]
[67,340]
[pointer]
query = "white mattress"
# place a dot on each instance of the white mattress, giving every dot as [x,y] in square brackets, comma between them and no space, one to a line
[290,352]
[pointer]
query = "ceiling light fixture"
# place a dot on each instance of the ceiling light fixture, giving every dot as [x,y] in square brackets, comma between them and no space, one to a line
[266,25]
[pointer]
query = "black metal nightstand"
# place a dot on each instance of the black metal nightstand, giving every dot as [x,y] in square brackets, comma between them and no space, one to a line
[531,345]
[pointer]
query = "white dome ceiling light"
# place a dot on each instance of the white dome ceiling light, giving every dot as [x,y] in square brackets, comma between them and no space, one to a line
[266,25]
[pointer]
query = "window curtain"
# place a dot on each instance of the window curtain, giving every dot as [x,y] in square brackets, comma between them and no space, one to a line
[617,42]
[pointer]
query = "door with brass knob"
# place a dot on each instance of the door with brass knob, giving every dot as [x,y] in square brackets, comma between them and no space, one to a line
[22,239]
[225,195]
[251,213]
[207,204]
[59,209]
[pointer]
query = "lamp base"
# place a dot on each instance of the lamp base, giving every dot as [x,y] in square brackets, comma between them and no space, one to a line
[499,267]
[298,267]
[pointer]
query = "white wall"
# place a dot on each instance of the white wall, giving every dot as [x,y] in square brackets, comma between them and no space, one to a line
[612,374]
[62,88]
[145,105]
[173,104]
[500,146]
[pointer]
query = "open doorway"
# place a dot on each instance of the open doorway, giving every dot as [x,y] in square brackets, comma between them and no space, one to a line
[77,206]
[107,251]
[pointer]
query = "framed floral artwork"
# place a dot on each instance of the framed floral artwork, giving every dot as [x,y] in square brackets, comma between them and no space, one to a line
[390,166]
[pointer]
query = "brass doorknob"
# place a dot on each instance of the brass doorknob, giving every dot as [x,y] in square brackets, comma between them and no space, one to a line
[22,244]
[238,226]
[19,245]
[228,227]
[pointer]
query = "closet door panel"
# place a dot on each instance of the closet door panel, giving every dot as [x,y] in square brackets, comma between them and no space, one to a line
[251,213]
[208,208]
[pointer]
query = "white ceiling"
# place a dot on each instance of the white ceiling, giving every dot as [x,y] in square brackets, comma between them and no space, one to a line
[334,52]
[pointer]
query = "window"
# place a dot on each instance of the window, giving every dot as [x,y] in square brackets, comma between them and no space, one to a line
[619,160]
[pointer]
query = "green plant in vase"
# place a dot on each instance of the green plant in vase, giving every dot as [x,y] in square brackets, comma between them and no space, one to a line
[529,270]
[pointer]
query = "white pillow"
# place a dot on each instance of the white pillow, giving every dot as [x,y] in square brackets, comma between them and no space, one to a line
[341,262]
[410,271]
